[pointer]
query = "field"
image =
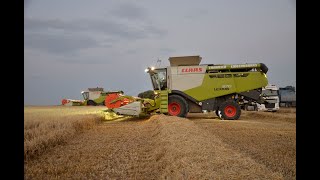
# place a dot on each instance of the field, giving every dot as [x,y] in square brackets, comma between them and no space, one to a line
[83,143]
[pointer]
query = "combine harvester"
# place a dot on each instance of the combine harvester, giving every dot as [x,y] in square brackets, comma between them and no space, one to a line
[92,97]
[96,96]
[186,86]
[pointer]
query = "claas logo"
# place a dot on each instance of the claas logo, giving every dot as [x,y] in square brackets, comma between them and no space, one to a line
[186,70]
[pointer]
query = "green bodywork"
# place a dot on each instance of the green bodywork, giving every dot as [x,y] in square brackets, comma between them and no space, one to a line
[100,100]
[159,103]
[218,80]
[220,84]
[215,81]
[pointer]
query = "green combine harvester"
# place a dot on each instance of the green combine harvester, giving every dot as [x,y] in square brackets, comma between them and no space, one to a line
[96,96]
[186,86]
[91,97]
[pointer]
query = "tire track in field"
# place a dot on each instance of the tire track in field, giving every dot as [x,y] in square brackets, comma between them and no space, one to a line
[162,147]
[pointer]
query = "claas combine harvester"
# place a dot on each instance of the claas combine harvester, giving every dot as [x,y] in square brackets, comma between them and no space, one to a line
[91,97]
[186,86]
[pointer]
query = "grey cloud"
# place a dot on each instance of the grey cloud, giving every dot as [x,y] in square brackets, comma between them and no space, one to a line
[36,77]
[84,25]
[196,13]
[166,51]
[129,11]
[58,43]
[132,51]
[85,61]
[150,29]
[26,3]
[106,27]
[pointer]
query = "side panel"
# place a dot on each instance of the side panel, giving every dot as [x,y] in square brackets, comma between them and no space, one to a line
[254,80]
[94,95]
[287,96]
[101,99]
[219,84]
[186,77]
[212,87]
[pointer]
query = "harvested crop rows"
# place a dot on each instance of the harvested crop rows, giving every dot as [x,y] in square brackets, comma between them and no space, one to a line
[260,145]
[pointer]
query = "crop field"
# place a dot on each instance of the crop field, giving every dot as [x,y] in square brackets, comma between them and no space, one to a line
[86,143]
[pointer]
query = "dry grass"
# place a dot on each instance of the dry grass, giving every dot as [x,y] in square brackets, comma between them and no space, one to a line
[287,110]
[45,127]
[159,148]
[258,146]
[267,137]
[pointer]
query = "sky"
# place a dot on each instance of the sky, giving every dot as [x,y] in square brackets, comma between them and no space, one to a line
[72,45]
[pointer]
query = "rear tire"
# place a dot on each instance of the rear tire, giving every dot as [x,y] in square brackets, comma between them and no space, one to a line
[230,110]
[91,103]
[177,106]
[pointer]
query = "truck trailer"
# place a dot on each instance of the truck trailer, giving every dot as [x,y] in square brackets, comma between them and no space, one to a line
[287,96]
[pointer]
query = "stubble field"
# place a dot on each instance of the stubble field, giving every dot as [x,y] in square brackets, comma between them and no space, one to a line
[79,143]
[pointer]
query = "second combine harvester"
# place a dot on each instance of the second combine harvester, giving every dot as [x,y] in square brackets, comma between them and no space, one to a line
[186,86]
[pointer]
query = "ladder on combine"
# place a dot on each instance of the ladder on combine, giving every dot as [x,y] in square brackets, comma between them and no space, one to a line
[164,101]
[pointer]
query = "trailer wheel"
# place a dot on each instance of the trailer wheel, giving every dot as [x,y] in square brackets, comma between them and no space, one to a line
[230,110]
[218,113]
[91,103]
[177,106]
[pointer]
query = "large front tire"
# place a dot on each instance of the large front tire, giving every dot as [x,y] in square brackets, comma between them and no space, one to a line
[230,110]
[177,106]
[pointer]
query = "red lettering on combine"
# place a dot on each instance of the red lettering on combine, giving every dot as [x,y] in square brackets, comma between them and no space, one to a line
[186,70]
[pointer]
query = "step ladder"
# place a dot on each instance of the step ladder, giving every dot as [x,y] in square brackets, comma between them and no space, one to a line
[164,102]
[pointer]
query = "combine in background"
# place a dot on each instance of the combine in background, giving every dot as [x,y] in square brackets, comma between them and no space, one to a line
[287,96]
[96,96]
[92,97]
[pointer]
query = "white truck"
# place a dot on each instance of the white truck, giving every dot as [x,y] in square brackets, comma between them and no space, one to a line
[271,94]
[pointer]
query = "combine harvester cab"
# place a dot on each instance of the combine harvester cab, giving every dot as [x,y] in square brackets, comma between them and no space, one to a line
[186,86]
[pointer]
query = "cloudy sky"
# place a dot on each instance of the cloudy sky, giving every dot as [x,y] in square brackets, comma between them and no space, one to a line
[70,45]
